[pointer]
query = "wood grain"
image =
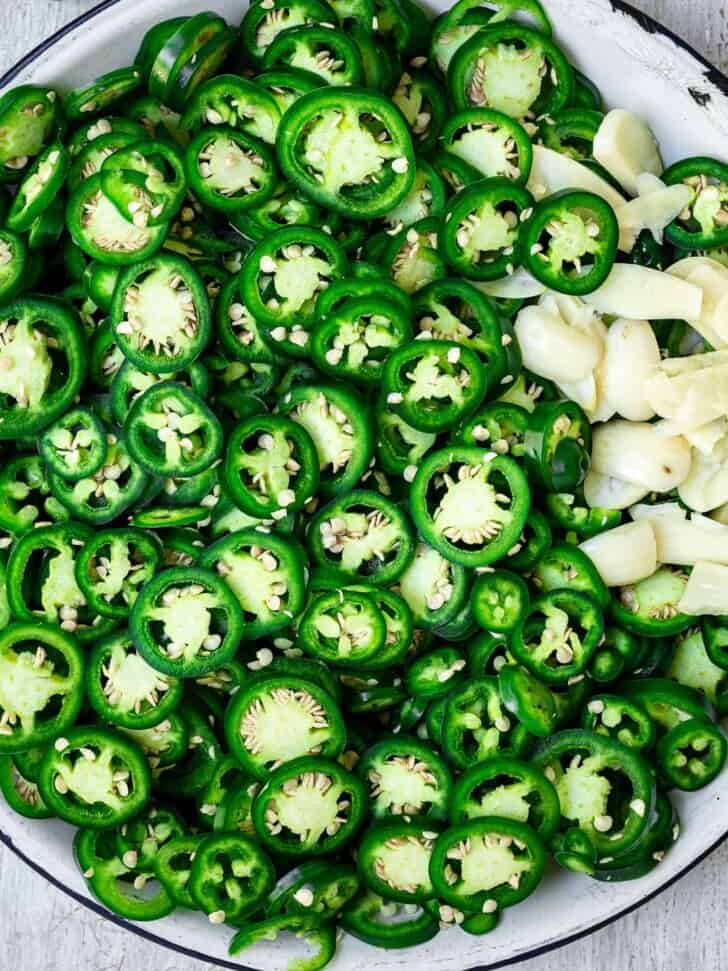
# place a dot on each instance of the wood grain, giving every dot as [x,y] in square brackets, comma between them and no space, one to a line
[682,929]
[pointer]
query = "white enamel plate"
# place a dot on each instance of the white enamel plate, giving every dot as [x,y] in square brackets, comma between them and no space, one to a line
[637,65]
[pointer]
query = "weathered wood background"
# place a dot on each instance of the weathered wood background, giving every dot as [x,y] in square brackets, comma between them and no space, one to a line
[684,929]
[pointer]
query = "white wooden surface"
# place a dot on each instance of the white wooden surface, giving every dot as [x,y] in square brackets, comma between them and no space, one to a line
[682,930]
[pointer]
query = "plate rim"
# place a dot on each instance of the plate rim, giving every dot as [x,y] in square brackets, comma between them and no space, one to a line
[713,76]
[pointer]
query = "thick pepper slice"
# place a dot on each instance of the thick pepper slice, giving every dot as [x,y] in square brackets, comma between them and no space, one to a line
[309,806]
[487,864]
[362,535]
[42,364]
[569,243]
[94,778]
[256,713]
[186,622]
[265,571]
[469,504]
[511,68]
[349,150]
[557,637]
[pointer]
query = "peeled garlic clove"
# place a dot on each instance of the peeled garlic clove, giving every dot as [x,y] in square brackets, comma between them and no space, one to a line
[551,172]
[637,452]
[626,147]
[553,349]
[640,293]
[608,492]
[631,356]
[626,554]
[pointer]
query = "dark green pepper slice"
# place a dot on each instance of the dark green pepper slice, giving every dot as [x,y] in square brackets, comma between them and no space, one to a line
[362,535]
[271,466]
[703,224]
[530,701]
[42,584]
[604,788]
[557,445]
[309,806]
[265,572]
[229,170]
[42,685]
[94,778]
[339,423]
[186,621]
[257,713]
[139,841]
[174,867]
[326,51]
[317,888]
[161,314]
[509,788]
[42,364]
[236,102]
[571,131]
[433,384]
[495,144]
[377,922]
[120,888]
[622,719]
[230,877]
[282,278]
[691,754]
[146,181]
[470,504]
[405,776]
[350,151]
[100,498]
[124,690]
[565,565]
[435,674]
[102,94]
[464,870]
[557,637]
[103,232]
[25,496]
[170,431]
[320,938]
[28,117]
[39,187]
[394,859]
[112,566]
[353,342]
[510,68]
[569,243]
[475,725]
[75,445]
[499,600]
[343,628]
[20,792]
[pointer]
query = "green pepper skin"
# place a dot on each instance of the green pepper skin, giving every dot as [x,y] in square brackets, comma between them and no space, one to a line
[120,801]
[396,171]
[176,589]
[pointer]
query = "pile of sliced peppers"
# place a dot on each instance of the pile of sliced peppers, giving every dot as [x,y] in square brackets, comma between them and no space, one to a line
[297,626]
